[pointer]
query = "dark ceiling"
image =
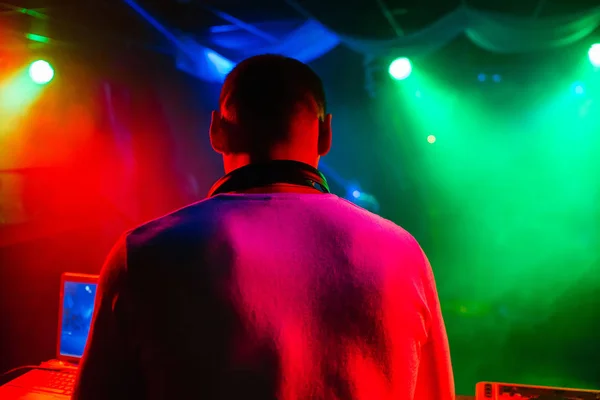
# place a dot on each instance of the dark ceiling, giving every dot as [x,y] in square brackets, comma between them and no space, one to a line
[86,22]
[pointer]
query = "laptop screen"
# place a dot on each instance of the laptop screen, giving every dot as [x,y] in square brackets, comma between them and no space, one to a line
[77,312]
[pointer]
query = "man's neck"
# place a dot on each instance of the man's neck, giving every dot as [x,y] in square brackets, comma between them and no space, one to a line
[233,162]
[283,188]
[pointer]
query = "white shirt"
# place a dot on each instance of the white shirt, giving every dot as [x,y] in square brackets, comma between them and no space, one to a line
[267,296]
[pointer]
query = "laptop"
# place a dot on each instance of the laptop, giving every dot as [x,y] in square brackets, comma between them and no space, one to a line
[56,377]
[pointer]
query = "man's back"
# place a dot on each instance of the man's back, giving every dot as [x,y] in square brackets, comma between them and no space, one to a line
[268,296]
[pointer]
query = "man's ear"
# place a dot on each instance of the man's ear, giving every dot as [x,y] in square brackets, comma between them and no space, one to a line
[325,135]
[217,139]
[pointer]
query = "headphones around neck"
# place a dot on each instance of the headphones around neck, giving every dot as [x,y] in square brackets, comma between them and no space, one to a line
[269,173]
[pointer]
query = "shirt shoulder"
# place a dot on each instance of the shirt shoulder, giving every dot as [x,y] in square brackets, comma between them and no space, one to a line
[381,226]
[193,218]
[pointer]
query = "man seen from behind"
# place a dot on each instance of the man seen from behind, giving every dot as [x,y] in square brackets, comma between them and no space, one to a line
[271,288]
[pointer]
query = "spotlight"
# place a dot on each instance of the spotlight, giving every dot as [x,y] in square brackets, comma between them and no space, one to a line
[365,200]
[481,77]
[496,78]
[431,139]
[594,55]
[41,72]
[578,88]
[400,68]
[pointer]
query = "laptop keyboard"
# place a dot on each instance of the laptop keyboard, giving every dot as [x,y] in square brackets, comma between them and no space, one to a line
[62,382]
[57,382]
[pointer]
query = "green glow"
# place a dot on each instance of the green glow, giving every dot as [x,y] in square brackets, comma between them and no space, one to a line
[510,196]
[37,38]
[17,94]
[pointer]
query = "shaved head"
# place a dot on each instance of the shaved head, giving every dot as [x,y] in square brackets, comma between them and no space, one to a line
[265,94]
[271,108]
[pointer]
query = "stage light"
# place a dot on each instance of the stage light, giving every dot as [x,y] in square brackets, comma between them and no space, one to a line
[481,77]
[364,200]
[222,65]
[431,139]
[578,88]
[496,78]
[594,55]
[41,72]
[400,68]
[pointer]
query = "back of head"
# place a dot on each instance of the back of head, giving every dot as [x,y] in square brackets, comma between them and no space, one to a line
[267,99]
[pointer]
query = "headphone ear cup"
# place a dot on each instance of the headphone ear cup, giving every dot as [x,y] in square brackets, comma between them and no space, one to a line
[318,179]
